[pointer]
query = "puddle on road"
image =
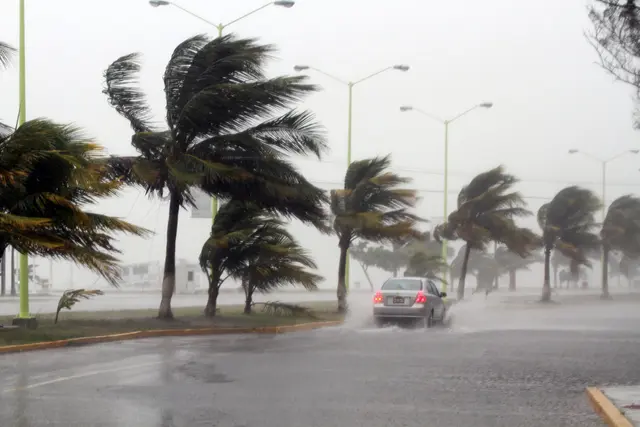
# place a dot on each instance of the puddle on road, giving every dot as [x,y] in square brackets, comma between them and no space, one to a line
[479,314]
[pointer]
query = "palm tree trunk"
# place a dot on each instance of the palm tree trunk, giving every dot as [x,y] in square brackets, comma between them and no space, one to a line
[248,293]
[214,290]
[512,280]
[463,271]
[366,274]
[342,289]
[169,279]
[546,286]
[605,272]
[212,301]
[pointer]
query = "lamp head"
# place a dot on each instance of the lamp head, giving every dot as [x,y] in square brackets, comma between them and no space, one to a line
[156,3]
[301,67]
[573,151]
[405,108]
[401,67]
[634,151]
[284,3]
[486,104]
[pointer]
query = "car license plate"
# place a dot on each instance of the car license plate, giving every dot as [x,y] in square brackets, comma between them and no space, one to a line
[398,300]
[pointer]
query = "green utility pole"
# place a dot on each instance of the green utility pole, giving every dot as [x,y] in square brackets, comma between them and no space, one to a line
[24,317]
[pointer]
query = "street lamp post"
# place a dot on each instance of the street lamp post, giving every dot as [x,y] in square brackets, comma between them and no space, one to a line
[24,317]
[220,27]
[350,85]
[446,123]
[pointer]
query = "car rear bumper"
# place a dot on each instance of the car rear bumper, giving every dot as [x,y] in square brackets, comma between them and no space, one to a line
[417,310]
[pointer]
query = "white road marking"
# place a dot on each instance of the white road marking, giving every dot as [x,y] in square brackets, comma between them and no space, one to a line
[83,375]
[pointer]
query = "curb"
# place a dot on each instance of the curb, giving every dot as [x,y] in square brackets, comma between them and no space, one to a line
[606,409]
[153,333]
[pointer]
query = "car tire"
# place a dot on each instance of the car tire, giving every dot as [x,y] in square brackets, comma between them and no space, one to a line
[428,320]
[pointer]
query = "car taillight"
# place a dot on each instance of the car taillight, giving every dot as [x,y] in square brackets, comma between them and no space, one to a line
[378,299]
[421,298]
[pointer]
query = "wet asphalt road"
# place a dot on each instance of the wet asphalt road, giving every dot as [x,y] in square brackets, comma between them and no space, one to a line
[495,366]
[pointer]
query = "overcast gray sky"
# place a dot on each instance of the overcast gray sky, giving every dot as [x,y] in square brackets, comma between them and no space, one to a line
[529,58]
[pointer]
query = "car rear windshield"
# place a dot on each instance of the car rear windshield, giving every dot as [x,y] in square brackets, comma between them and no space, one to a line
[402,285]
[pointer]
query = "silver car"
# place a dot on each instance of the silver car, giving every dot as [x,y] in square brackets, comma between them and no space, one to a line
[409,298]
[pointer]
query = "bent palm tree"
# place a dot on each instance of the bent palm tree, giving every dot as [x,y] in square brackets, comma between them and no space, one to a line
[366,257]
[229,130]
[424,259]
[568,224]
[620,232]
[423,264]
[370,207]
[49,174]
[236,227]
[254,247]
[510,263]
[487,208]
[280,261]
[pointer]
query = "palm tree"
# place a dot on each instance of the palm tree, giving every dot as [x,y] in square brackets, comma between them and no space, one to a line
[487,208]
[236,227]
[510,263]
[568,224]
[423,264]
[370,207]
[620,232]
[229,129]
[49,175]
[423,258]
[366,257]
[280,261]
[254,247]
[558,260]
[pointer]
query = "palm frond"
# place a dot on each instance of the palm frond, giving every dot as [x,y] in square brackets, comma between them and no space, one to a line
[569,223]
[123,92]
[70,297]
[487,209]
[364,170]
[6,53]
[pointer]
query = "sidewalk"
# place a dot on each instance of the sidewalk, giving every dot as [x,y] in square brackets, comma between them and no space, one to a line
[618,406]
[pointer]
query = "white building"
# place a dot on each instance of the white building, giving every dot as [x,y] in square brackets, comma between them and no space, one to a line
[147,276]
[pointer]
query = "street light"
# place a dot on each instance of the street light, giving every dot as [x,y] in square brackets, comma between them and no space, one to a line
[604,163]
[445,122]
[282,3]
[350,85]
[24,317]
